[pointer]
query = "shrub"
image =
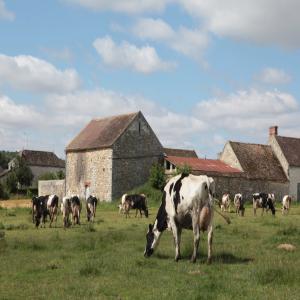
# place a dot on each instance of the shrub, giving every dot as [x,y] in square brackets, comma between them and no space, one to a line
[157,177]
[185,169]
[12,182]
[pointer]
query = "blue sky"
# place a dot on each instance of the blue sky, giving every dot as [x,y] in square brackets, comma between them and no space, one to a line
[202,72]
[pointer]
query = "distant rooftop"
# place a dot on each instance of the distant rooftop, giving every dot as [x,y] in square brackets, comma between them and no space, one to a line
[180,152]
[42,158]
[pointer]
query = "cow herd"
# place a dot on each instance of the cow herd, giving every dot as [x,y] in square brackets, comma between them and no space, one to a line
[44,206]
[187,203]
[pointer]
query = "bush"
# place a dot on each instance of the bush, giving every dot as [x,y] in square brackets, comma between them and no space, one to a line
[52,175]
[185,169]
[3,193]
[12,182]
[157,177]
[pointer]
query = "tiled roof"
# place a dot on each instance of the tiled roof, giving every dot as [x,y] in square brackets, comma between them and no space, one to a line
[203,165]
[101,133]
[258,161]
[42,158]
[291,149]
[180,152]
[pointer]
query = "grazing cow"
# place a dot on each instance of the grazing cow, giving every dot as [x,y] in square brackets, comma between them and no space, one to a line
[225,203]
[239,204]
[286,204]
[91,205]
[135,201]
[264,201]
[52,207]
[76,209]
[187,202]
[66,210]
[39,210]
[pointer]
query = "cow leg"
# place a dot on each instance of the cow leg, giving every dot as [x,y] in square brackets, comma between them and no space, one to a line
[209,244]
[196,231]
[176,234]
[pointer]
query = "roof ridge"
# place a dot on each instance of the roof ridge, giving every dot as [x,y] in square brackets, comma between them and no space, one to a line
[256,144]
[288,137]
[115,116]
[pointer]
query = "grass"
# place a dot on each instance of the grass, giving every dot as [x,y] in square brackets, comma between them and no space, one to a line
[105,260]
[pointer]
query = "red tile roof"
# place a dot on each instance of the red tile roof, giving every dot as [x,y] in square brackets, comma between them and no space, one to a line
[204,165]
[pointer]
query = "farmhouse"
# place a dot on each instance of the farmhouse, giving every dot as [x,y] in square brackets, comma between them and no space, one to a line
[40,162]
[111,156]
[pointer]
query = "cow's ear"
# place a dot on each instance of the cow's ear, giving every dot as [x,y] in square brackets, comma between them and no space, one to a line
[150,227]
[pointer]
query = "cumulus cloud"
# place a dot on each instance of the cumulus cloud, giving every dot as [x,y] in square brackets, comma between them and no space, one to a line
[16,115]
[189,42]
[249,109]
[29,73]
[123,6]
[126,55]
[261,21]
[274,76]
[4,13]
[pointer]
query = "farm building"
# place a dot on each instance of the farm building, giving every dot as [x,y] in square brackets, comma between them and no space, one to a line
[110,156]
[40,162]
[287,150]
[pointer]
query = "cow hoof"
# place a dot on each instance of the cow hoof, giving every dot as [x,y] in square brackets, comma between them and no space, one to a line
[177,258]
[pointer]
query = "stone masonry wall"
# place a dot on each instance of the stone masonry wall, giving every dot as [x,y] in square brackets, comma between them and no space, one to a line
[51,187]
[228,156]
[133,155]
[93,168]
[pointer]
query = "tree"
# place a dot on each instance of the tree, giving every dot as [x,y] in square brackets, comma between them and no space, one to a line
[157,176]
[52,175]
[184,169]
[23,172]
[12,182]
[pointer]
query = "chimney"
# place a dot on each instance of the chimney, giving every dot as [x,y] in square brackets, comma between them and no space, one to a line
[273,130]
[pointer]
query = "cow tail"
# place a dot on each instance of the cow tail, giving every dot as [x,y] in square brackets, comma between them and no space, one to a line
[94,208]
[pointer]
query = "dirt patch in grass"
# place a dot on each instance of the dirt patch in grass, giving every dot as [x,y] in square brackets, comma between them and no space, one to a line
[16,203]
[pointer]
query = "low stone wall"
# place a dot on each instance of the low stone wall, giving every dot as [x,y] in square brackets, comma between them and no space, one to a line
[49,187]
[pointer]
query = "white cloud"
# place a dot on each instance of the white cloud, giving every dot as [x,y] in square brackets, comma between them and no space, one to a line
[189,42]
[126,55]
[249,109]
[29,73]
[274,76]
[16,115]
[4,13]
[260,21]
[123,6]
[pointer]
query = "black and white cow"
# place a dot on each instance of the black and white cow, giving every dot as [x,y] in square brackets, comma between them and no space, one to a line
[187,202]
[66,210]
[39,210]
[52,207]
[264,201]
[134,201]
[91,205]
[76,209]
[239,204]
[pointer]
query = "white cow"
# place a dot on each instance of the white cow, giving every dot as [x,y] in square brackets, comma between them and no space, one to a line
[66,210]
[286,204]
[238,202]
[225,203]
[187,202]
[52,207]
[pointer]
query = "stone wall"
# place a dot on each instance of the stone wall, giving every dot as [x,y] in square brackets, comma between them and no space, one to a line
[228,156]
[133,155]
[50,187]
[91,168]
[294,174]
[38,171]
[247,187]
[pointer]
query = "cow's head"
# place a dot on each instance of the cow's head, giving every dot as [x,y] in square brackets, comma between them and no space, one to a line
[152,238]
[146,213]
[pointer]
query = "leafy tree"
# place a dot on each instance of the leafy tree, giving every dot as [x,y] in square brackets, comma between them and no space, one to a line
[157,176]
[23,172]
[60,174]
[12,182]
[52,175]
[185,169]
[6,157]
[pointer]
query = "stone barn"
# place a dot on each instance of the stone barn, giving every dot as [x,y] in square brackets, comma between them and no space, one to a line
[261,170]
[287,150]
[110,156]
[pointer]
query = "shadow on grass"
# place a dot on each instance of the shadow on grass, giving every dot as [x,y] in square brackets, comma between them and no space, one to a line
[229,258]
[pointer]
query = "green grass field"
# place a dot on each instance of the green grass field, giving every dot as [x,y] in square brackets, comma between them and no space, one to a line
[105,260]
